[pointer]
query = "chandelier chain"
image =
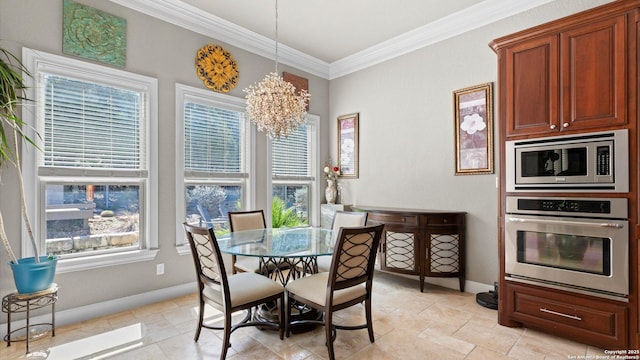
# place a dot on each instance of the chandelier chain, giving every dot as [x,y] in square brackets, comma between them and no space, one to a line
[276,36]
[274,105]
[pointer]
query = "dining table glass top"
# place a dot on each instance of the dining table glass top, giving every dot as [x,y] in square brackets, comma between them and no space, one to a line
[280,242]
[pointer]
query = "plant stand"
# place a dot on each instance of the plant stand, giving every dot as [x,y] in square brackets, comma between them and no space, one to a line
[16,303]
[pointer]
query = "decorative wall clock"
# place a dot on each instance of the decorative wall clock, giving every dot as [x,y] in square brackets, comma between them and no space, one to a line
[216,68]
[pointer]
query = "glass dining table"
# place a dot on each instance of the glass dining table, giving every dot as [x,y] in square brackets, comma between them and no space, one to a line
[284,253]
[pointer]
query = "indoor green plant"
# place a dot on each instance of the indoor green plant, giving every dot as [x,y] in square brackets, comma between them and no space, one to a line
[35,273]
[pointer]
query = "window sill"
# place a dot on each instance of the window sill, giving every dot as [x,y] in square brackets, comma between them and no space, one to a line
[183,249]
[98,261]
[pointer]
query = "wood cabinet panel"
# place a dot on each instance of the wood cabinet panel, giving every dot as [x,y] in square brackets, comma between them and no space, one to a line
[420,242]
[531,73]
[598,323]
[570,79]
[394,218]
[593,74]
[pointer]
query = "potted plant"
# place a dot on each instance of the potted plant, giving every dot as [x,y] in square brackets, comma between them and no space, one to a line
[34,273]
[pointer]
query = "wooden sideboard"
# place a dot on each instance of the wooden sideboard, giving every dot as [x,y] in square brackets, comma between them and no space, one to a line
[427,243]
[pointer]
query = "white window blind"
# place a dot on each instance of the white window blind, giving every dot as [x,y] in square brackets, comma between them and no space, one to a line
[212,139]
[291,157]
[89,125]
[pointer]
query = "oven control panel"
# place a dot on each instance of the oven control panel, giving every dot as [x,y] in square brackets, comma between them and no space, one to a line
[590,207]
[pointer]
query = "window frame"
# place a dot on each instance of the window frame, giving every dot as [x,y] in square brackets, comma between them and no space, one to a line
[189,93]
[39,62]
[312,181]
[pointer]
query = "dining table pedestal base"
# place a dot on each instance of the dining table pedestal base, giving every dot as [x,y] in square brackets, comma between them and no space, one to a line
[285,270]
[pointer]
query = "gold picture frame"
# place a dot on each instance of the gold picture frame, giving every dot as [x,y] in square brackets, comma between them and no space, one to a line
[473,108]
[348,145]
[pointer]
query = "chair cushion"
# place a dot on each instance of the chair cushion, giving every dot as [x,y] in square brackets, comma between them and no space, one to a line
[245,288]
[314,288]
[247,263]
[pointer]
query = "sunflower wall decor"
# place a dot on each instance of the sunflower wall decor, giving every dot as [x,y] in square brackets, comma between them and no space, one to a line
[216,68]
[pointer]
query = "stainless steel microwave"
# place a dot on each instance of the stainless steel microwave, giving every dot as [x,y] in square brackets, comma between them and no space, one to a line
[597,161]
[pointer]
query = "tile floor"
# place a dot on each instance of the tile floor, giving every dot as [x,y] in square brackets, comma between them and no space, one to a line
[437,324]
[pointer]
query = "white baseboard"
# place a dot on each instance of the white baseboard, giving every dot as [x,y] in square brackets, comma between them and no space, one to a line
[449,283]
[87,312]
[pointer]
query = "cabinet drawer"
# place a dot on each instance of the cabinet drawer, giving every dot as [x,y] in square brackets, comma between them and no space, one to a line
[594,322]
[442,219]
[393,218]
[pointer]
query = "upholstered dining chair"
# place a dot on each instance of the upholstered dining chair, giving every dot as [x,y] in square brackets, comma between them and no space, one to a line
[342,219]
[246,220]
[229,294]
[348,282]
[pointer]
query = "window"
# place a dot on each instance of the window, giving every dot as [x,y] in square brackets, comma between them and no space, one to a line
[212,158]
[293,165]
[91,189]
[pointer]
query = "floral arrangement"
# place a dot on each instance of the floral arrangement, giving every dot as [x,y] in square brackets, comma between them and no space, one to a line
[331,171]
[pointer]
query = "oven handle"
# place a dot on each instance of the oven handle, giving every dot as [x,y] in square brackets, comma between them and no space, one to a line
[565,222]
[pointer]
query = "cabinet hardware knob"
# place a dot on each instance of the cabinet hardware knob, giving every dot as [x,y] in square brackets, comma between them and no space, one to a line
[565,125]
[404,219]
[552,127]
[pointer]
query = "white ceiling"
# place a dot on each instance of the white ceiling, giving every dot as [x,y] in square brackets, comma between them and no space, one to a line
[331,38]
[332,29]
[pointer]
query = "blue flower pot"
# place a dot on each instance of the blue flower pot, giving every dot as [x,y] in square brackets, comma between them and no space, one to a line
[31,277]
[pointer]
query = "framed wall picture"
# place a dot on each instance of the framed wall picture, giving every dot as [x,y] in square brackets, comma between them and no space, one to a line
[348,145]
[474,129]
[93,34]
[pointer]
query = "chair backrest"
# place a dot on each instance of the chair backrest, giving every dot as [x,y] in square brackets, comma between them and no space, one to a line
[354,257]
[205,218]
[348,219]
[247,220]
[207,259]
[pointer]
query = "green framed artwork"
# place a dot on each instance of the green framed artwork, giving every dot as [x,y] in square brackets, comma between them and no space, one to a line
[93,34]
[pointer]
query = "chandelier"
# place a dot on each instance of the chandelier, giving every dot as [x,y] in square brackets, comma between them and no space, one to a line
[273,104]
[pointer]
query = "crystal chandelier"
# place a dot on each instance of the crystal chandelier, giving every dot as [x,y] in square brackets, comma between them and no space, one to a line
[273,104]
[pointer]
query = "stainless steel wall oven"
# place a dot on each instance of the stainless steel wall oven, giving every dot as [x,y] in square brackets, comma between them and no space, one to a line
[574,244]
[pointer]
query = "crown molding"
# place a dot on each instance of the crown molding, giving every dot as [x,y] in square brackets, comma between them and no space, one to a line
[468,19]
[192,18]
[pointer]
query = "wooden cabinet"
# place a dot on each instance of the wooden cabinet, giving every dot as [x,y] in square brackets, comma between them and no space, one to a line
[569,79]
[597,322]
[420,242]
[574,75]
[531,103]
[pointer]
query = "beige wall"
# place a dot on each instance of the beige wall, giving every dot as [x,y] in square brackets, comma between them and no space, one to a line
[406,134]
[163,51]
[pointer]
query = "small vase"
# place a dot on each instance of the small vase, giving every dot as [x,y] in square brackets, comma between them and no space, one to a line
[331,192]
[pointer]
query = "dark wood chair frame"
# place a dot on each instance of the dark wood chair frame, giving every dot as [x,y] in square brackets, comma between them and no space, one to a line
[217,267]
[339,279]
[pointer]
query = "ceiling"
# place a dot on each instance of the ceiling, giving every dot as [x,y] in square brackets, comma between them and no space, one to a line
[331,38]
[331,29]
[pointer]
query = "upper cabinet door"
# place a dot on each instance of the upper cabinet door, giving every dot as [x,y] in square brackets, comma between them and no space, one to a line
[593,75]
[531,85]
